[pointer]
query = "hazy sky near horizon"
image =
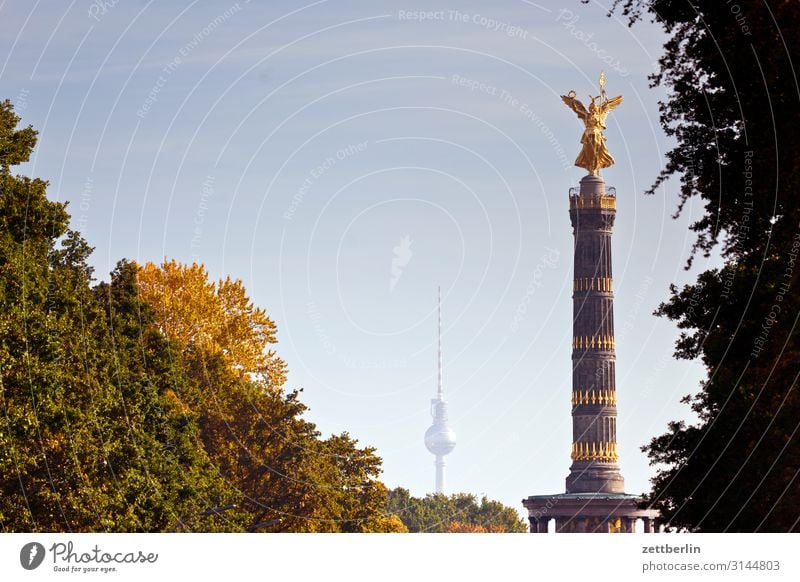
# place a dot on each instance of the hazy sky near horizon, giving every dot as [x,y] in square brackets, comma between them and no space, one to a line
[344,159]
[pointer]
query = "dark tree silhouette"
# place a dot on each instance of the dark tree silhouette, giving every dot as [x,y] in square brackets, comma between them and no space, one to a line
[734,111]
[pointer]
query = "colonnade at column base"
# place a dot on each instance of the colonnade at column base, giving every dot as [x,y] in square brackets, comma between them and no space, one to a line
[589,513]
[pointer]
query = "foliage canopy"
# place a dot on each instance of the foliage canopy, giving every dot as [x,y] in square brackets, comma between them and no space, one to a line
[734,110]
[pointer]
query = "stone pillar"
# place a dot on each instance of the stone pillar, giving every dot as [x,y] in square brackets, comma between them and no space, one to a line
[539,525]
[649,525]
[594,393]
[581,524]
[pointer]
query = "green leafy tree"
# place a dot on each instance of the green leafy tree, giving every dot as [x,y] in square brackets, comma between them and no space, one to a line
[89,438]
[159,442]
[153,402]
[456,513]
[733,110]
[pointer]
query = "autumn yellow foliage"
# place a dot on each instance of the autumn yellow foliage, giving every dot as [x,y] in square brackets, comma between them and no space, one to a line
[214,318]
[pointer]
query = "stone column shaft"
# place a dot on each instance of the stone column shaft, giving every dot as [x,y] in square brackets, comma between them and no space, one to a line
[594,392]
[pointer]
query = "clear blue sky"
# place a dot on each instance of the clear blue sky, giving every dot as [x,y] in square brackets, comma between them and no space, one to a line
[345,158]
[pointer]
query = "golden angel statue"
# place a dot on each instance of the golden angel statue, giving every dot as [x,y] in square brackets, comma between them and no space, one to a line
[594,154]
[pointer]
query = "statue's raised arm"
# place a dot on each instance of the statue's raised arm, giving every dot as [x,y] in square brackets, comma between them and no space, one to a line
[575,105]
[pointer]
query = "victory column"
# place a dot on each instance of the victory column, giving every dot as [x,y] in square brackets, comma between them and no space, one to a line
[594,500]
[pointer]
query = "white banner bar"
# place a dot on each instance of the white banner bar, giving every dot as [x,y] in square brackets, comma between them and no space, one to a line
[370,557]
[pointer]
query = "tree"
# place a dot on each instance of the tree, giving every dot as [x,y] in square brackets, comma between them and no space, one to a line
[286,475]
[153,402]
[89,438]
[215,318]
[16,145]
[159,442]
[733,110]
[457,513]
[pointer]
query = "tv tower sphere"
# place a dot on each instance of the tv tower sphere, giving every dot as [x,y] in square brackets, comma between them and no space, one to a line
[440,439]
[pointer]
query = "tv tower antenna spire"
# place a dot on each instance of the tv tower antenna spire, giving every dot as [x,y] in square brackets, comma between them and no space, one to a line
[439,384]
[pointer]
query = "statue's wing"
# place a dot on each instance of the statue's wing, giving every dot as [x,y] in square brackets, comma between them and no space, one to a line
[611,104]
[575,105]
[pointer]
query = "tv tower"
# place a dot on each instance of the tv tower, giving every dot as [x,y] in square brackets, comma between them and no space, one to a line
[440,439]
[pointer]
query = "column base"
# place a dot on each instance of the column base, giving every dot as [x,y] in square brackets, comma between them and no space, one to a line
[595,477]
